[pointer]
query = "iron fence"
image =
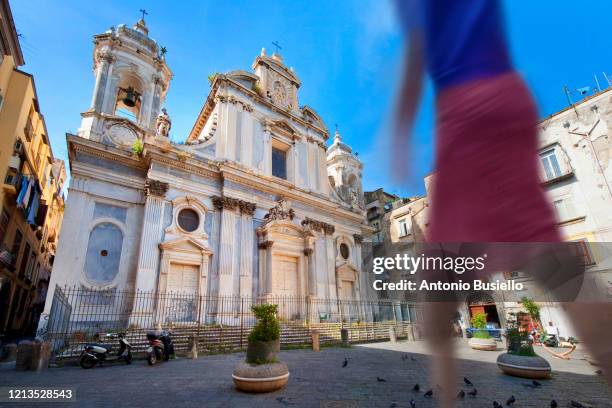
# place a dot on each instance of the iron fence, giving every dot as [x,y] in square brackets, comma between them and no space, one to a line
[217,323]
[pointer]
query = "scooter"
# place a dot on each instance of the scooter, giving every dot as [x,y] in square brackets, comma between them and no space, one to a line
[160,347]
[551,341]
[95,353]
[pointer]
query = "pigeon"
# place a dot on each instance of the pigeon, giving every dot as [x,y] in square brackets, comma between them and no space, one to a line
[473,392]
[496,404]
[345,362]
[412,358]
[511,400]
[467,382]
[461,394]
[404,357]
[553,404]
[380,379]
[536,383]
[393,405]
[576,404]
[416,387]
[412,404]
[428,394]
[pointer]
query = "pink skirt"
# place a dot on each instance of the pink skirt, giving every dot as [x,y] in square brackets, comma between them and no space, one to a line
[486,186]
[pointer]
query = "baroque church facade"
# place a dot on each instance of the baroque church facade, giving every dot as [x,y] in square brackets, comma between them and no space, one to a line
[253,204]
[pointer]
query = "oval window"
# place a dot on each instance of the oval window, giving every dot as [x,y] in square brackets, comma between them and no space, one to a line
[188,220]
[103,253]
[344,250]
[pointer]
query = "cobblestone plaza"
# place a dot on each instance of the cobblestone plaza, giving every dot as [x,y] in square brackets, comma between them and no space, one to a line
[318,380]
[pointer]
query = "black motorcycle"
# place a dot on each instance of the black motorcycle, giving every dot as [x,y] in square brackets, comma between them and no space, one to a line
[95,353]
[160,347]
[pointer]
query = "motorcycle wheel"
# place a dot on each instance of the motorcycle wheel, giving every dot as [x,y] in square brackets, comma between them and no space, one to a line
[87,362]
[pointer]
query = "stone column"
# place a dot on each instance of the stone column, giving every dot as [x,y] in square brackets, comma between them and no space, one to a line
[263,267]
[246,257]
[150,238]
[101,77]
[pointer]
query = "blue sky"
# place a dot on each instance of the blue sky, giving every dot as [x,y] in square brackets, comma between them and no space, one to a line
[346,53]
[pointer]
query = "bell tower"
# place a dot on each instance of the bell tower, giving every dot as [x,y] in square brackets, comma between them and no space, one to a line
[131,82]
[344,171]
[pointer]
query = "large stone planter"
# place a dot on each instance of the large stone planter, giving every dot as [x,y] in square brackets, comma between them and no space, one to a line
[262,351]
[260,378]
[524,366]
[483,344]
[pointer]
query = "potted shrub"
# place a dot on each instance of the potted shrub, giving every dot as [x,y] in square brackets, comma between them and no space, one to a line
[481,339]
[261,371]
[520,360]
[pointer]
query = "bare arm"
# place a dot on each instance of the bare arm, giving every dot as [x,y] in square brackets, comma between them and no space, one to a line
[411,86]
[407,104]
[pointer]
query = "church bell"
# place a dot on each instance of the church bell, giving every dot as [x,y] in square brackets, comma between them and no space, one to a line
[130,98]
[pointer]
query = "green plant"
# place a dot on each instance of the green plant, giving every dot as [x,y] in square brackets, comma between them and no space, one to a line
[211,77]
[267,327]
[479,321]
[481,334]
[257,89]
[137,147]
[532,308]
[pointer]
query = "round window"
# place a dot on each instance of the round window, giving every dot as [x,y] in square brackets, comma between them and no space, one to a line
[344,250]
[188,219]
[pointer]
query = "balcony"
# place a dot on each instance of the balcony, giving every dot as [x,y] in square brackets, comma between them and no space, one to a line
[28,130]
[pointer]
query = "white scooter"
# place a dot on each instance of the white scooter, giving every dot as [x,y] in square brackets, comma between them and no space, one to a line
[95,353]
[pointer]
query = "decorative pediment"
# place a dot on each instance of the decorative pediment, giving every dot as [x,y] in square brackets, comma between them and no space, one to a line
[283,127]
[185,244]
[241,75]
[281,211]
[311,116]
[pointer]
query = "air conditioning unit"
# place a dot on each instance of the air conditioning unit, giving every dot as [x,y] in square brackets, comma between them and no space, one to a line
[15,162]
[18,147]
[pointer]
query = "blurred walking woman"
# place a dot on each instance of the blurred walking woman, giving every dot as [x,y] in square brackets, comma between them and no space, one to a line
[486,186]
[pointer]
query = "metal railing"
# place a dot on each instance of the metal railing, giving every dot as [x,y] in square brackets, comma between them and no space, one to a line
[80,315]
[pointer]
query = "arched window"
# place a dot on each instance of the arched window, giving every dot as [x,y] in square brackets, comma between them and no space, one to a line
[103,253]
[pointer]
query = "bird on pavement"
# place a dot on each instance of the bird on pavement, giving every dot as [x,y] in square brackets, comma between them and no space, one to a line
[412,404]
[461,394]
[393,405]
[380,379]
[416,387]
[576,404]
[553,404]
[511,400]
[536,383]
[496,404]
[473,392]
[467,382]
[428,394]
[345,362]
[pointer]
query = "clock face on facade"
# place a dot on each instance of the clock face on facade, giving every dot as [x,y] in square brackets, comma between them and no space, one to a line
[121,135]
[279,93]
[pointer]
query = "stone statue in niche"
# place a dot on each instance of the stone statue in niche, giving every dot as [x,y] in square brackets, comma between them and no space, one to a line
[163,123]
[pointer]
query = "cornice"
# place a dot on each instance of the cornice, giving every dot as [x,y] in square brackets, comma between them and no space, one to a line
[78,144]
[287,191]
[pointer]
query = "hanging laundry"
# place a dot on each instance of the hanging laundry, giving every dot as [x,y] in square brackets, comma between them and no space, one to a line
[23,188]
[33,209]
